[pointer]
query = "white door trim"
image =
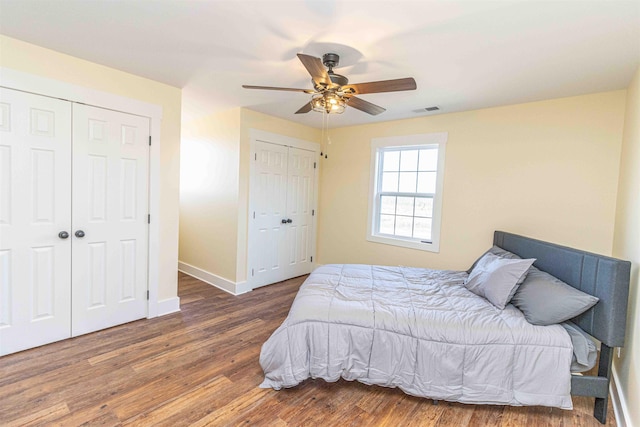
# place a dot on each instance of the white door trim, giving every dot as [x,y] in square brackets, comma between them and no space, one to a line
[256,135]
[274,138]
[26,82]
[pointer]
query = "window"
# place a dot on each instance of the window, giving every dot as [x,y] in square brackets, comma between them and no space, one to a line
[405,199]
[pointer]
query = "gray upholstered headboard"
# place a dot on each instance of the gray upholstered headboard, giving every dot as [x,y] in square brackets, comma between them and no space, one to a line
[606,278]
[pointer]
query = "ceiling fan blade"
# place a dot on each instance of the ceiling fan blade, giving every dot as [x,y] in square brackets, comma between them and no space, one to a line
[305,108]
[279,88]
[396,85]
[365,106]
[315,68]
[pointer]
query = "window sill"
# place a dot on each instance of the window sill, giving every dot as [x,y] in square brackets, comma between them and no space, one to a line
[429,247]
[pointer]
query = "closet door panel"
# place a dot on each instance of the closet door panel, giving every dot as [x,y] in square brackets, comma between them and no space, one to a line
[299,209]
[269,199]
[35,206]
[110,207]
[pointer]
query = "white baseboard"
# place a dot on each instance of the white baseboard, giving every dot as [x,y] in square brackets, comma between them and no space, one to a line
[219,282]
[168,306]
[618,401]
[243,288]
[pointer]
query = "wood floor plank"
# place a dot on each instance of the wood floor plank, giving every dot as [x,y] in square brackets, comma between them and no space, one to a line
[514,416]
[42,416]
[151,345]
[200,366]
[456,415]
[180,353]
[234,411]
[184,402]
[486,416]
[99,415]
[425,412]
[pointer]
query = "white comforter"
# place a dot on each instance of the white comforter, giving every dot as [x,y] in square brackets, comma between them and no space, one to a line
[420,330]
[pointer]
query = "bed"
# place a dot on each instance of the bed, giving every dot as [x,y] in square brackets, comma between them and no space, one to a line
[424,332]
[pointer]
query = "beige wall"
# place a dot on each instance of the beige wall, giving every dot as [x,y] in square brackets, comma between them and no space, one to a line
[215,188]
[210,156]
[547,169]
[33,59]
[626,245]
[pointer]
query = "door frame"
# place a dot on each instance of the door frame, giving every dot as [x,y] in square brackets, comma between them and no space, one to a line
[257,135]
[18,80]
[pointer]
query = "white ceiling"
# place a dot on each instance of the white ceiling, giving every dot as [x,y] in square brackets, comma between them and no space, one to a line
[463,55]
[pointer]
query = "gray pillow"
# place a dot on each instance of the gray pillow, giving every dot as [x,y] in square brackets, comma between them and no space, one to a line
[546,300]
[502,253]
[496,279]
[496,250]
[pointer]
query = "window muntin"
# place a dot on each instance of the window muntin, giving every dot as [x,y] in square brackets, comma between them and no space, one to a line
[405,199]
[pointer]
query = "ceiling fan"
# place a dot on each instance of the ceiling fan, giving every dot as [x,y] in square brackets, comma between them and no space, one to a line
[332,92]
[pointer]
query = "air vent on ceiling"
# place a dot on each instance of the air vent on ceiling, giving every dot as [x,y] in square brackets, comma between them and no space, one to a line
[434,108]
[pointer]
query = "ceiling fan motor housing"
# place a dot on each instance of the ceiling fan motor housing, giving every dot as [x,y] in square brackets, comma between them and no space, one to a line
[331,60]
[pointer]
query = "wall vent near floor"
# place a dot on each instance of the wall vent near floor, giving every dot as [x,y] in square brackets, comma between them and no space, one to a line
[434,108]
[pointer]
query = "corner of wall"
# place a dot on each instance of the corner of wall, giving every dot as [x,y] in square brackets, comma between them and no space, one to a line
[221,283]
[626,245]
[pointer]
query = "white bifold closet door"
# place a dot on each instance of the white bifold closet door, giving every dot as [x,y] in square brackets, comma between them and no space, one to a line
[110,207]
[73,219]
[282,197]
[35,206]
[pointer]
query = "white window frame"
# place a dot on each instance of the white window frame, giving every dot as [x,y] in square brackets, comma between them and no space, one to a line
[408,141]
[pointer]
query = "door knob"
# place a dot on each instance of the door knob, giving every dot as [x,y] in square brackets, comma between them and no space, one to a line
[289,221]
[63,235]
[79,233]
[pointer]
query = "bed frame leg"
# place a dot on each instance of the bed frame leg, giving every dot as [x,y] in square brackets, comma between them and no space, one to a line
[604,370]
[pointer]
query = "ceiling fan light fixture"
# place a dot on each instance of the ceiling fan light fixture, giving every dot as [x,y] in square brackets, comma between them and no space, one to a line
[329,103]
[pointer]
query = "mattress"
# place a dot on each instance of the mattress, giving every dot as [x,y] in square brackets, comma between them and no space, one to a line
[419,330]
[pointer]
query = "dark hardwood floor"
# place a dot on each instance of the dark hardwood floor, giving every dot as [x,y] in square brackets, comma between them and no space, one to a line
[200,367]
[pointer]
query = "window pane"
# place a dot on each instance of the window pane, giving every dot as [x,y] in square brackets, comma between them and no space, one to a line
[424,207]
[407,182]
[426,182]
[406,175]
[391,160]
[422,228]
[428,160]
[386,224]
[409,160]
[404,226]
[405,206]
[390,181]
[388,205]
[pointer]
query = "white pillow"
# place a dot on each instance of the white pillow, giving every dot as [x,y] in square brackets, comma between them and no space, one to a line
[496,279]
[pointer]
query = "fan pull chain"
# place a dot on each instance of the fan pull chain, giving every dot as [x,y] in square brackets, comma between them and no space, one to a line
[325,131]
[328,139]
[322,136]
